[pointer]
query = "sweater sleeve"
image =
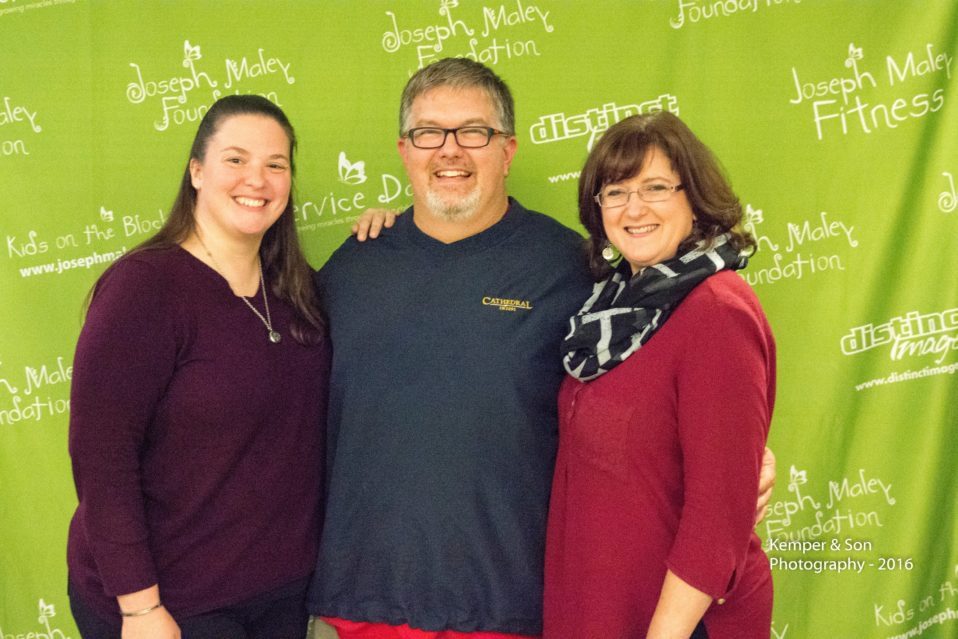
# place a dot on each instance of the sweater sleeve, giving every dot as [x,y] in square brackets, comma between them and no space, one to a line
[725,396]
[124,360]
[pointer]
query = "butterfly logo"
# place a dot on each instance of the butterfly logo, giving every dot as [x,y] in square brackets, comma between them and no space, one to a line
[796,478]
[190,53]
[854,53]
[351,172]
[753,216]
[105,214]
[46,611]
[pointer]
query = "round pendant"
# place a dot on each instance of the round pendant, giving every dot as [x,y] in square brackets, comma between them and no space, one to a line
[275,337]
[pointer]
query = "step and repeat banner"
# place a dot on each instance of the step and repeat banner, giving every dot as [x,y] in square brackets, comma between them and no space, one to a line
[837,121]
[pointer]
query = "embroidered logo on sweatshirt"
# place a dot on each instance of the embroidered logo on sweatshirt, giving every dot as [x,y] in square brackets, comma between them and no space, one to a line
[507,304]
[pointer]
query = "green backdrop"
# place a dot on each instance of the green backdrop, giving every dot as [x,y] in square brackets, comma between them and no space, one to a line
[837,121]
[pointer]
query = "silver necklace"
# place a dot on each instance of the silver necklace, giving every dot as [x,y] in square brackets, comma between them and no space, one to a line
[274,336]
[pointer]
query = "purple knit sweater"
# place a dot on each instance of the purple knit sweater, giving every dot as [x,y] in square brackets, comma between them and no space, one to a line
[196,443]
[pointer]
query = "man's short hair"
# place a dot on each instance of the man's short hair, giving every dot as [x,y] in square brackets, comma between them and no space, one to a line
[459,73]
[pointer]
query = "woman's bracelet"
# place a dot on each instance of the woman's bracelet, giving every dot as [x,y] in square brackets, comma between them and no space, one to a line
[140,613]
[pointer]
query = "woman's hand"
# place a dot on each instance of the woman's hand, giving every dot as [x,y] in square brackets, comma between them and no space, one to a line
[679,610]
[766,482]
[372,221]
[158,623]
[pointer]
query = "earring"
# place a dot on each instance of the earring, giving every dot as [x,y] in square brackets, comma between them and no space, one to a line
[608,253]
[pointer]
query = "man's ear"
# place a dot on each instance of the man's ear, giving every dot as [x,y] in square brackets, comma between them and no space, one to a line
[509,152]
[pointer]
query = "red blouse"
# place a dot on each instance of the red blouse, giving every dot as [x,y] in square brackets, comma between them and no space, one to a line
[658,468]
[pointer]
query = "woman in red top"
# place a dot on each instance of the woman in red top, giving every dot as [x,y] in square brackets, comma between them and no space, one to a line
[665,415]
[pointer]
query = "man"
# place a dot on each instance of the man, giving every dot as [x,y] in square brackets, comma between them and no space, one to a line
[446,365]
[442,424]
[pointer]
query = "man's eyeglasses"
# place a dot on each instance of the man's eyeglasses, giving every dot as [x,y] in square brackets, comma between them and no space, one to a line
[468,137]
[615,196]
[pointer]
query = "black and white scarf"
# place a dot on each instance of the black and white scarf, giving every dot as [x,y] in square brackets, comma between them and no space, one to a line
[625,311]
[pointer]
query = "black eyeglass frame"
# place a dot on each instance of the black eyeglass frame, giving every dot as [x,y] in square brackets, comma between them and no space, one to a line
[490,132]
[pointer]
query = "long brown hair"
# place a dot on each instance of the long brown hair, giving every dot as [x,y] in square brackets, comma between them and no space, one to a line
[620,153]
[284,264]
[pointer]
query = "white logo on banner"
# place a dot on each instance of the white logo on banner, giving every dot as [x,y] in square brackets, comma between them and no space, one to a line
[174,92]
[46,612]
[433,41]
[107,228]
[779,634]
[948,199]
[837,104]
[30,400]
[910,335]
[833,534]
[335,208]
[848,511]
[795,261]
[556,127]
[30,6]
[936,608]
[351,172]
[693,11]
[16,116]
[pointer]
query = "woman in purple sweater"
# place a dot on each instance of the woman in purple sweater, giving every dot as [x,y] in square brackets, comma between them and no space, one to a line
[663,420]
[197,406]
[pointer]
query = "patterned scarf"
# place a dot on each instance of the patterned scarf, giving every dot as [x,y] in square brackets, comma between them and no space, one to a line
[625,311]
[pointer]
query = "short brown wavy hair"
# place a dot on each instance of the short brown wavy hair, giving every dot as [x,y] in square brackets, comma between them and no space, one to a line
[459,73]
[620,153]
